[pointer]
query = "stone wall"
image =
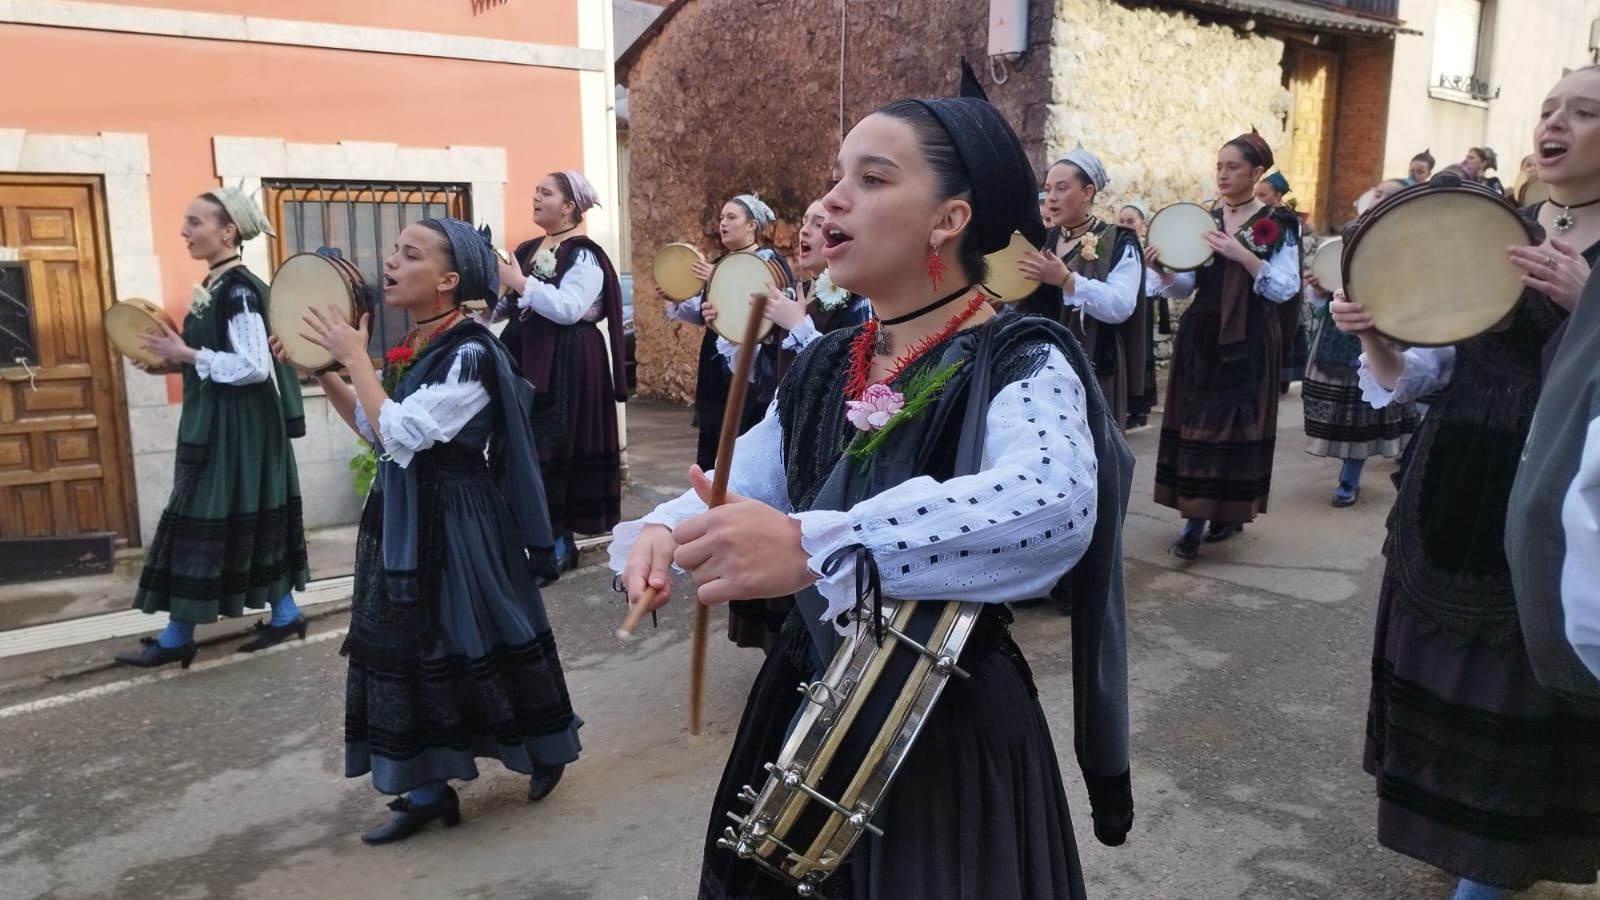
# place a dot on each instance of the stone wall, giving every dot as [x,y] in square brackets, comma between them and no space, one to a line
[1154,92]
[739,95]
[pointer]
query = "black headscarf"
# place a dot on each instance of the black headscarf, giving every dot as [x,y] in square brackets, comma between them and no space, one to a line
[1005,193]
[473,259]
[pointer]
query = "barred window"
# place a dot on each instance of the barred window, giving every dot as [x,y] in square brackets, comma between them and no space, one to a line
[362,221]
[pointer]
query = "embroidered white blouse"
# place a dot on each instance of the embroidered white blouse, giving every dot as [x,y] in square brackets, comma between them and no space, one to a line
[250,362]
[1278,281]
[1111,301]
[575,298]
[1008,532]
[432,414]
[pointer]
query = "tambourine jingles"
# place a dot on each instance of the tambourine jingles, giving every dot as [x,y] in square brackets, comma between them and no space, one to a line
[128,321]
[673,271]
[1178,234]
[735,279]
[309,281]
[1429,263]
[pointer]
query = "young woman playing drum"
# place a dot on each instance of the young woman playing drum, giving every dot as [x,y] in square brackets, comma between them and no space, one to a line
[743,220]
[1214,461]
[231,537]
[1099,267]
[1481,770]
[925,189]
[563,285]
[451,654]
[1339,422]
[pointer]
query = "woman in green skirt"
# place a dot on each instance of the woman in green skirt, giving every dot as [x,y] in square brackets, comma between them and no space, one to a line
[231,537]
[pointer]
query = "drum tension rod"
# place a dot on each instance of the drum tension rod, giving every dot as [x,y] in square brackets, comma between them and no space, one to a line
[944,665]
[857,818]
[823,694]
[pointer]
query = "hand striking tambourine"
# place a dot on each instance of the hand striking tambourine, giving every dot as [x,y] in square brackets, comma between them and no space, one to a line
[304,282]
[673,271]
[735,281]
[1429,263]
[1178,232]
[127,323]
[1006,283]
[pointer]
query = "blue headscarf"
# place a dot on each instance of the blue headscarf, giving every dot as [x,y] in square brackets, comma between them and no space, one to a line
[472,257]
[1278,182]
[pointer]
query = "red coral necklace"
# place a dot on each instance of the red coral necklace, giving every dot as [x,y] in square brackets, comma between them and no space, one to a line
[866,344]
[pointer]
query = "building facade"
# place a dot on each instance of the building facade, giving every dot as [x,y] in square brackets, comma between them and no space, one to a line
[1476,73]
[727,96]
[347,120]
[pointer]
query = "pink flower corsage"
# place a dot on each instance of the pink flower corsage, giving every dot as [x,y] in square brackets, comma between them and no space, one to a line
[878,404]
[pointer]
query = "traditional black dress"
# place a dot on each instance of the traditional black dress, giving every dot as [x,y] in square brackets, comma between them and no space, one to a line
[978,809]
[451,653]
[555,335]
[716,375]
[231,537]
[1339,422]
[1481,770]
[1220,422]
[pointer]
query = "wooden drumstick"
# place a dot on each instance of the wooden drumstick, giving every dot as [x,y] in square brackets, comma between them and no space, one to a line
[732,415]
[636,614]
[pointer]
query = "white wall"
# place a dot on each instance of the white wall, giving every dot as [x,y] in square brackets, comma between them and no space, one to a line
[1533,41]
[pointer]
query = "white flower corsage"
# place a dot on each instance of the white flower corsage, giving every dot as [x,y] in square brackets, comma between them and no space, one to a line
[544,265]
[1089,247]
[830,295]
[201,301]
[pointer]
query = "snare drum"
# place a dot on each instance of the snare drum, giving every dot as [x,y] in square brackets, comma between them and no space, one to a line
[735,278]
[1178,232]
[304,282]
[852,735]
[1006,282]
[128,321]
[673,271]
[1325,264]
[1429,263]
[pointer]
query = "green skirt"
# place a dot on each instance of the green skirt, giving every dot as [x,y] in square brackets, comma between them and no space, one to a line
[232,535]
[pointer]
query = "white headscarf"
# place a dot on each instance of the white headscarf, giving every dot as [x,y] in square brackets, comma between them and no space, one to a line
[583,193]
[244,212]
[758,210]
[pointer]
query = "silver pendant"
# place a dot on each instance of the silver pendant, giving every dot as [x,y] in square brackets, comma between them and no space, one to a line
[880,342]
[1564,221]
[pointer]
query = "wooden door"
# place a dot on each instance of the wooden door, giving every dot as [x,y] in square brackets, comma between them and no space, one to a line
[63,444]
[1313,83]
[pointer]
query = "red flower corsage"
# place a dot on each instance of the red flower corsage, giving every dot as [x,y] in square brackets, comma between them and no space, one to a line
[399,356]
[1265,232]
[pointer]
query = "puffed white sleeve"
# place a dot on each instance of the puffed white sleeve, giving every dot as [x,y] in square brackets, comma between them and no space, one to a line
[1182,285]
[1580,569]
[1008,532]
[801,335]
[566,302]
[1279,280]
[1111,301]
[250,361]
[434,413]
[1426,369]
[687,311]
[757,473]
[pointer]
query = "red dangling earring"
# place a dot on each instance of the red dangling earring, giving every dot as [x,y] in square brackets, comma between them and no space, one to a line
[935,268]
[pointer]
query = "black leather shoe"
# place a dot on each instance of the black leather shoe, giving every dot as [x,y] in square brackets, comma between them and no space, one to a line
[544,780]
[269,635]
[1187,547]
[154,655]
[1346,495]
[408,819]
[1218,532]
[1137,421]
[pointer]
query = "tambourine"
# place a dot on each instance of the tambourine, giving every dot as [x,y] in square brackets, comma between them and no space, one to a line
[736,277]
[1006,283]
[304,282]
[1326,262]
[128,321]
[673,271]
[1178,232]
[1429,263]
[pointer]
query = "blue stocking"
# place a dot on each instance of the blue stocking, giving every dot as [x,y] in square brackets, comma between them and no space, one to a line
[427,793]
[176,634]
[1351,472]
[1193,527]
[1467,889]
[284,611]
